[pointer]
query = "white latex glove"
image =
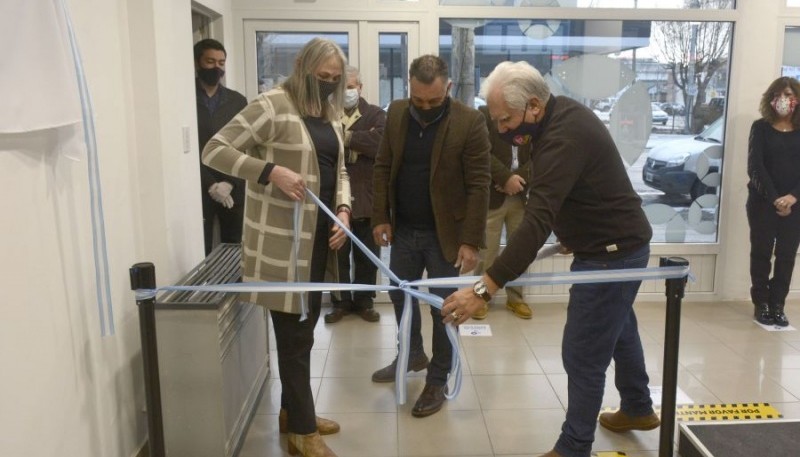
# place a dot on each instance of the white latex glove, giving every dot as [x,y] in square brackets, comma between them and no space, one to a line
[228,202]
[220,192]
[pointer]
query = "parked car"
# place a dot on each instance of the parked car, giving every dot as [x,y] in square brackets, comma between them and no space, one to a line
[602,115]
[659,116]
[672,166]
[605,104]
[673,108]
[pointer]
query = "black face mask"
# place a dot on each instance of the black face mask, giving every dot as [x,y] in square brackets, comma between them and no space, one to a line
[326,88]
[210,76]
[521,135]
[430,115]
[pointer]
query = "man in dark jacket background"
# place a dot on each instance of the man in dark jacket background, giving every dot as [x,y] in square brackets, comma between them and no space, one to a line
[223,195]
[363,129]
[508,194]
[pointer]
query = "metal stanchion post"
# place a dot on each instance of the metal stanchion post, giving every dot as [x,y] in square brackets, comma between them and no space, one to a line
[143,276]
[675,288]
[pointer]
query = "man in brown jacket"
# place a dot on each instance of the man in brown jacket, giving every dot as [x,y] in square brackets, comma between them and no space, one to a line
[431,190]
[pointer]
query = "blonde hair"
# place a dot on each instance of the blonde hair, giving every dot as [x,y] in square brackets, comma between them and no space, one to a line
[302,86]
[518,82]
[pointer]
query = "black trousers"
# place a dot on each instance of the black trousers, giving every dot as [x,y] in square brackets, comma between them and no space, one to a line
[771,234]
[364,270]
[230,222]
[294,340]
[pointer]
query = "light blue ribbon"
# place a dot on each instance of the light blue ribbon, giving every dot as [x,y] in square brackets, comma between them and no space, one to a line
[411,290]
[101,272]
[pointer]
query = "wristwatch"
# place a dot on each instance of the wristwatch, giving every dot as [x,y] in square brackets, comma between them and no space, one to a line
[481,290]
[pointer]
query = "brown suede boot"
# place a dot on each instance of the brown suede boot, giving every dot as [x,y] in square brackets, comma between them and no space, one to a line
[311,445]
[620,422]
[324,426]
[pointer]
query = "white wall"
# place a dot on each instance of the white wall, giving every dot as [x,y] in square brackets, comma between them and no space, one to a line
[65,390]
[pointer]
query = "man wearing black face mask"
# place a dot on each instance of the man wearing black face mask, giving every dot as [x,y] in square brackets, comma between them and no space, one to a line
[579,190]
[223,195]
[431,195]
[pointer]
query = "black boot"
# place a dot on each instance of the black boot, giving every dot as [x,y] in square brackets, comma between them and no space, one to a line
[778,317]
[763,314]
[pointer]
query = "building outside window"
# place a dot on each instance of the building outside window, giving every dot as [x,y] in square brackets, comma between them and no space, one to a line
[659,86]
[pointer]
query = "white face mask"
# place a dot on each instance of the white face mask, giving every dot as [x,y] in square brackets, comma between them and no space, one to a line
[784,105]
[350,98]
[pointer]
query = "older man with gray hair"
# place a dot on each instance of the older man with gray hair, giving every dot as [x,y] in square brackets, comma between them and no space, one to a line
[363,130]
[581,192]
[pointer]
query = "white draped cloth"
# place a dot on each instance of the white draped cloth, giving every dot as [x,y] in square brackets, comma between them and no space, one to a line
[38,84]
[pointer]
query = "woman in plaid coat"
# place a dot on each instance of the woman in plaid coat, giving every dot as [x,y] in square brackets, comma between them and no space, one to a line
[287,140]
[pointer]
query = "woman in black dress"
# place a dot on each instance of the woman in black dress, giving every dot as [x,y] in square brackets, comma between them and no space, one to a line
[773,165]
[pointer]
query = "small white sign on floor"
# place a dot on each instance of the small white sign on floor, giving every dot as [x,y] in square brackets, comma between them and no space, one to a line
[475,330]
[775,328]
[680,396]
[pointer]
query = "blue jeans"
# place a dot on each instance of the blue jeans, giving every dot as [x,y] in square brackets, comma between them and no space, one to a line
[601,324]
[413,252]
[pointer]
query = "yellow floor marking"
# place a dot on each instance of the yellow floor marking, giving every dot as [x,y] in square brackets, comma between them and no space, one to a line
[726,412]
[722,412]
[610,454]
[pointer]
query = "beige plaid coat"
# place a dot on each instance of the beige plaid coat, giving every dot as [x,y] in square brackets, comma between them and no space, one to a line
[270,129]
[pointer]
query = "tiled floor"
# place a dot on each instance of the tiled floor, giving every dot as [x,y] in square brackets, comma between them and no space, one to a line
[514,390]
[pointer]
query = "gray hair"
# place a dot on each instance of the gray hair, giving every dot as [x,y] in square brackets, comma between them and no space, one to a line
[353,71]
[518,82]
[302,86]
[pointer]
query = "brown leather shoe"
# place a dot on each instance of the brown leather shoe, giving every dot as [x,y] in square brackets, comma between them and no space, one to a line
[430,401]
[370,315]
[552,453]
[311,445]
[387,373]
[620,422]
[521,310]
[324,426]
[481,313]
[335,316]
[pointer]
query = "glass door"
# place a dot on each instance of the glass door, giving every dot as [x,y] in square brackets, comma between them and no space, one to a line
[386,72]
[381,51]
[274,44]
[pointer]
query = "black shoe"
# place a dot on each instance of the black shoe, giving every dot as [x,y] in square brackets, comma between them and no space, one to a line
[387,373]
[430,401]
[778,317]
[335,316]
[369,315]
[763,314]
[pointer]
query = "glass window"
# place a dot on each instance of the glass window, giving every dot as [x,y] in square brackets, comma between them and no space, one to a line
[653,4]
[393,63]
[660,87]
[275,53]
[791,52]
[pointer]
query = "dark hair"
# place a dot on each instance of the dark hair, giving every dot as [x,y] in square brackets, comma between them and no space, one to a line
[208,43]
[427,68]
[774,90]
